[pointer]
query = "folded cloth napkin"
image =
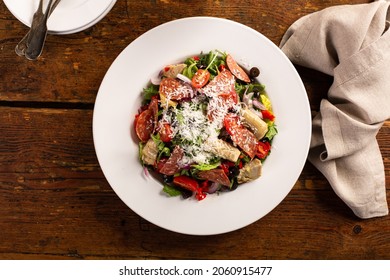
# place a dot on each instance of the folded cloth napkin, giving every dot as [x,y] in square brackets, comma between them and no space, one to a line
[352,44]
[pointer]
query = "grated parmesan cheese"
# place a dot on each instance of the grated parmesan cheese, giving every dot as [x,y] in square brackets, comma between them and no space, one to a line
[192,127]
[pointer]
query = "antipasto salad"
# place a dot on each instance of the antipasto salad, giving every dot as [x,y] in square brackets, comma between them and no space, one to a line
[205,125]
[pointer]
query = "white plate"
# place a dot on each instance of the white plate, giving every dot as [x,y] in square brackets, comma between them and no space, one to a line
[119,98]
[70,16]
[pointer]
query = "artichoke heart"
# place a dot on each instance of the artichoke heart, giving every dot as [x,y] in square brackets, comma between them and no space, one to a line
[149,152]
[250,171]
[255,123]
[222,149]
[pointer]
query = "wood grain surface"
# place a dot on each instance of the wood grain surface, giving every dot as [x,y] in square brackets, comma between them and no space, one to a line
[54,200]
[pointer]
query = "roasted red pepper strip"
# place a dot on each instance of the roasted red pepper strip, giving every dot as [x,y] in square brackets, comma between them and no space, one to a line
[190,184]
[267,115]
[263,149]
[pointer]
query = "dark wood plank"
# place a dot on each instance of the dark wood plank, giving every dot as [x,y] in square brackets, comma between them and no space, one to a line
[83,58]
[55,201]
[56,204]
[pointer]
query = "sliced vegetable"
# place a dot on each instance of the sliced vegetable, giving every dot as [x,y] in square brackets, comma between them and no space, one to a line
[267,103]
[190,184]
[222,149]
[268,115]
[200,78]
[171,71]
[250,171]
[149,152]
[263,149]
[165,132]
[255,123]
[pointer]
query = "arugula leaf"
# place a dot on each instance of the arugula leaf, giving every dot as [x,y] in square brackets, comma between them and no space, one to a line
[242,88]
[149,92]
[204,166]
[171,190]
[256,87]
[164,152]
[191,68]
[160,144]
[162,149]
[140,148]
[272,131]
[179,117]
[211,62]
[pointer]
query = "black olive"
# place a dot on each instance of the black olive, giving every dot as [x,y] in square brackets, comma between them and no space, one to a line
[234,185]
[186,194]
[256,93]
[234,171]
[254,72]
[167,179]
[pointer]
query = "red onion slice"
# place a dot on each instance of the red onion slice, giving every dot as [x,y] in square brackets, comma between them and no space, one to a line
[184,78]
[258,104]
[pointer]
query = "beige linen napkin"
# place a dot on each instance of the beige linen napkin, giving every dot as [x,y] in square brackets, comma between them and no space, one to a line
[352,44]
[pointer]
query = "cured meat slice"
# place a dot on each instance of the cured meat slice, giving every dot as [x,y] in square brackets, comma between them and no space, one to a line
[237,71]
[223,83]
[240,135]
[174,89]
[171,166]
[144,125]
[215,175]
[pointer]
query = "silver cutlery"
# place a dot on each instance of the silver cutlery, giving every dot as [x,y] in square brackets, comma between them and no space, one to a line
[32,43]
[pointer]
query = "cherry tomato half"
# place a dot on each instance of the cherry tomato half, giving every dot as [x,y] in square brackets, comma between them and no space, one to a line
[200,78]
[165,132]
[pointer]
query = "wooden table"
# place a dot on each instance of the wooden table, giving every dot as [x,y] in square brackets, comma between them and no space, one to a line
[54,200]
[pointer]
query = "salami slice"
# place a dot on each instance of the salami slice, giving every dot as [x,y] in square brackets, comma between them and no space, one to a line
[171,166]
[240,135]
[222,84]
[153,106]
[174,89]
[237,71]
[215,175]
[144,125]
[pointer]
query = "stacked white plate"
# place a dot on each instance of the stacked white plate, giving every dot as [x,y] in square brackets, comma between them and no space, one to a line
[70,16]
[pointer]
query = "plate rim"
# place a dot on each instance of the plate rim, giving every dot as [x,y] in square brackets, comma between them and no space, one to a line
[110,4]
[294,72]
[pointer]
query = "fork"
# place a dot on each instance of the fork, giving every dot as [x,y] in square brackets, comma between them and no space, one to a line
[32,43]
